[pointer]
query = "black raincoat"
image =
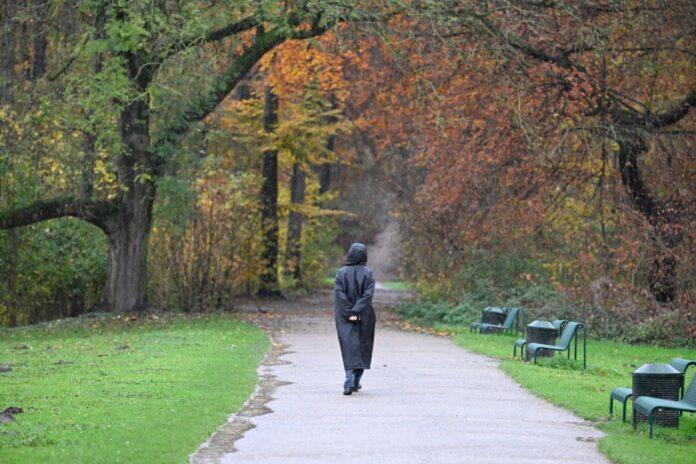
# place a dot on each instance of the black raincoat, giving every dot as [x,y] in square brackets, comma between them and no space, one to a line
[353,287]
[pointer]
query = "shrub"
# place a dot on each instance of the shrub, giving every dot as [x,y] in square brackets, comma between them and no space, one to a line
[609,310]
[51,270]
[204,244]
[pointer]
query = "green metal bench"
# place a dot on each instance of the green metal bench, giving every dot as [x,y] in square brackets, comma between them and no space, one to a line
[648,405]
[569,333]
[682,365]
[624,394]
[513,317]
[560,324]
[521,342]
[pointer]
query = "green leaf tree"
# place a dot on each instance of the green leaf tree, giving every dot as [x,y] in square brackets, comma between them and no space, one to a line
[141,75]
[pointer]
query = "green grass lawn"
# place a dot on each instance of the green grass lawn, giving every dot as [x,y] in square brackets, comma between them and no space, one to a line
[107,389]
[397,285]
[586,392]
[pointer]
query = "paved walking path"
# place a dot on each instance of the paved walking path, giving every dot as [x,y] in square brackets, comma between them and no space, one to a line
[424,401]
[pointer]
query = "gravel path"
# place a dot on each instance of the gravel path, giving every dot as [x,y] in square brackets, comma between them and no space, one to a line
[425,401]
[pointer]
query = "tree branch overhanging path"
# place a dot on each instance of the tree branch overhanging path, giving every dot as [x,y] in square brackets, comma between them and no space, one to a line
[141,79]
[141,42]
[591,64]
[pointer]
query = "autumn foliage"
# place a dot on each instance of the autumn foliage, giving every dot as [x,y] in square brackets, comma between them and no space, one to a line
[557,131]
[539,152]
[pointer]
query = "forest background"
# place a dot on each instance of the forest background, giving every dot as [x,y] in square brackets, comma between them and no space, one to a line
[180,155]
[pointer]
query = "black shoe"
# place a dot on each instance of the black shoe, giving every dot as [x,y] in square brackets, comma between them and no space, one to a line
[348,390]
[357,388]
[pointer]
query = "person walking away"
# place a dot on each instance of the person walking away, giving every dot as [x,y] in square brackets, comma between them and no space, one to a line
[355,318]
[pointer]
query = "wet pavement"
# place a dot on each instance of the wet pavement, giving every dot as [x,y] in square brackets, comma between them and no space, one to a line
[425,400]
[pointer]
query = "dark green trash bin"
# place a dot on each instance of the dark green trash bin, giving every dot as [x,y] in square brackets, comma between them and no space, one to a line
[659,381]
[541,332]
[493,315]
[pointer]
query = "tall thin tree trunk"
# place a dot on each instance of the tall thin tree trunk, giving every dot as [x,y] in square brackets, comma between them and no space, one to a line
[269,285]
[7,78]
[7,50]
[325,169]
[40,42]
[23,52]
[293,252]
[12,244]
[242,93]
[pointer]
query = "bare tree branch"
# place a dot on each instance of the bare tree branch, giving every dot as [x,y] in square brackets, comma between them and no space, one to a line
[517,43]
[653,50]
[673,115]
[649,121]
[75,55]
[242,25]
[242,64]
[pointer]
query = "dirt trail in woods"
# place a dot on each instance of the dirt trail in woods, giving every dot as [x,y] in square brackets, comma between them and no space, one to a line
[425,400]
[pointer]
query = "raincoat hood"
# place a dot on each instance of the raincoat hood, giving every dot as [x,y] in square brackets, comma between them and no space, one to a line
[357,254]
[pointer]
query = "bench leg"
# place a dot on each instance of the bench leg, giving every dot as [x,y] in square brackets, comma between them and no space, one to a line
[611,408]
[650,421]
[514,350]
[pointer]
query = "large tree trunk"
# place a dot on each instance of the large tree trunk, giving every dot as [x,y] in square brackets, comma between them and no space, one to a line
[128,230]
[269,285]
[293,252]
[662,219]
[127,237]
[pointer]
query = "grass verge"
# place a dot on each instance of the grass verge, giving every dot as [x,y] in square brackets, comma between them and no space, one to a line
[393,285]
[116,389]
[397,285]
[586,392]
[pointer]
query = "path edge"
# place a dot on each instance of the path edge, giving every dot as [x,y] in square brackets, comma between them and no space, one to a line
[222,441]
